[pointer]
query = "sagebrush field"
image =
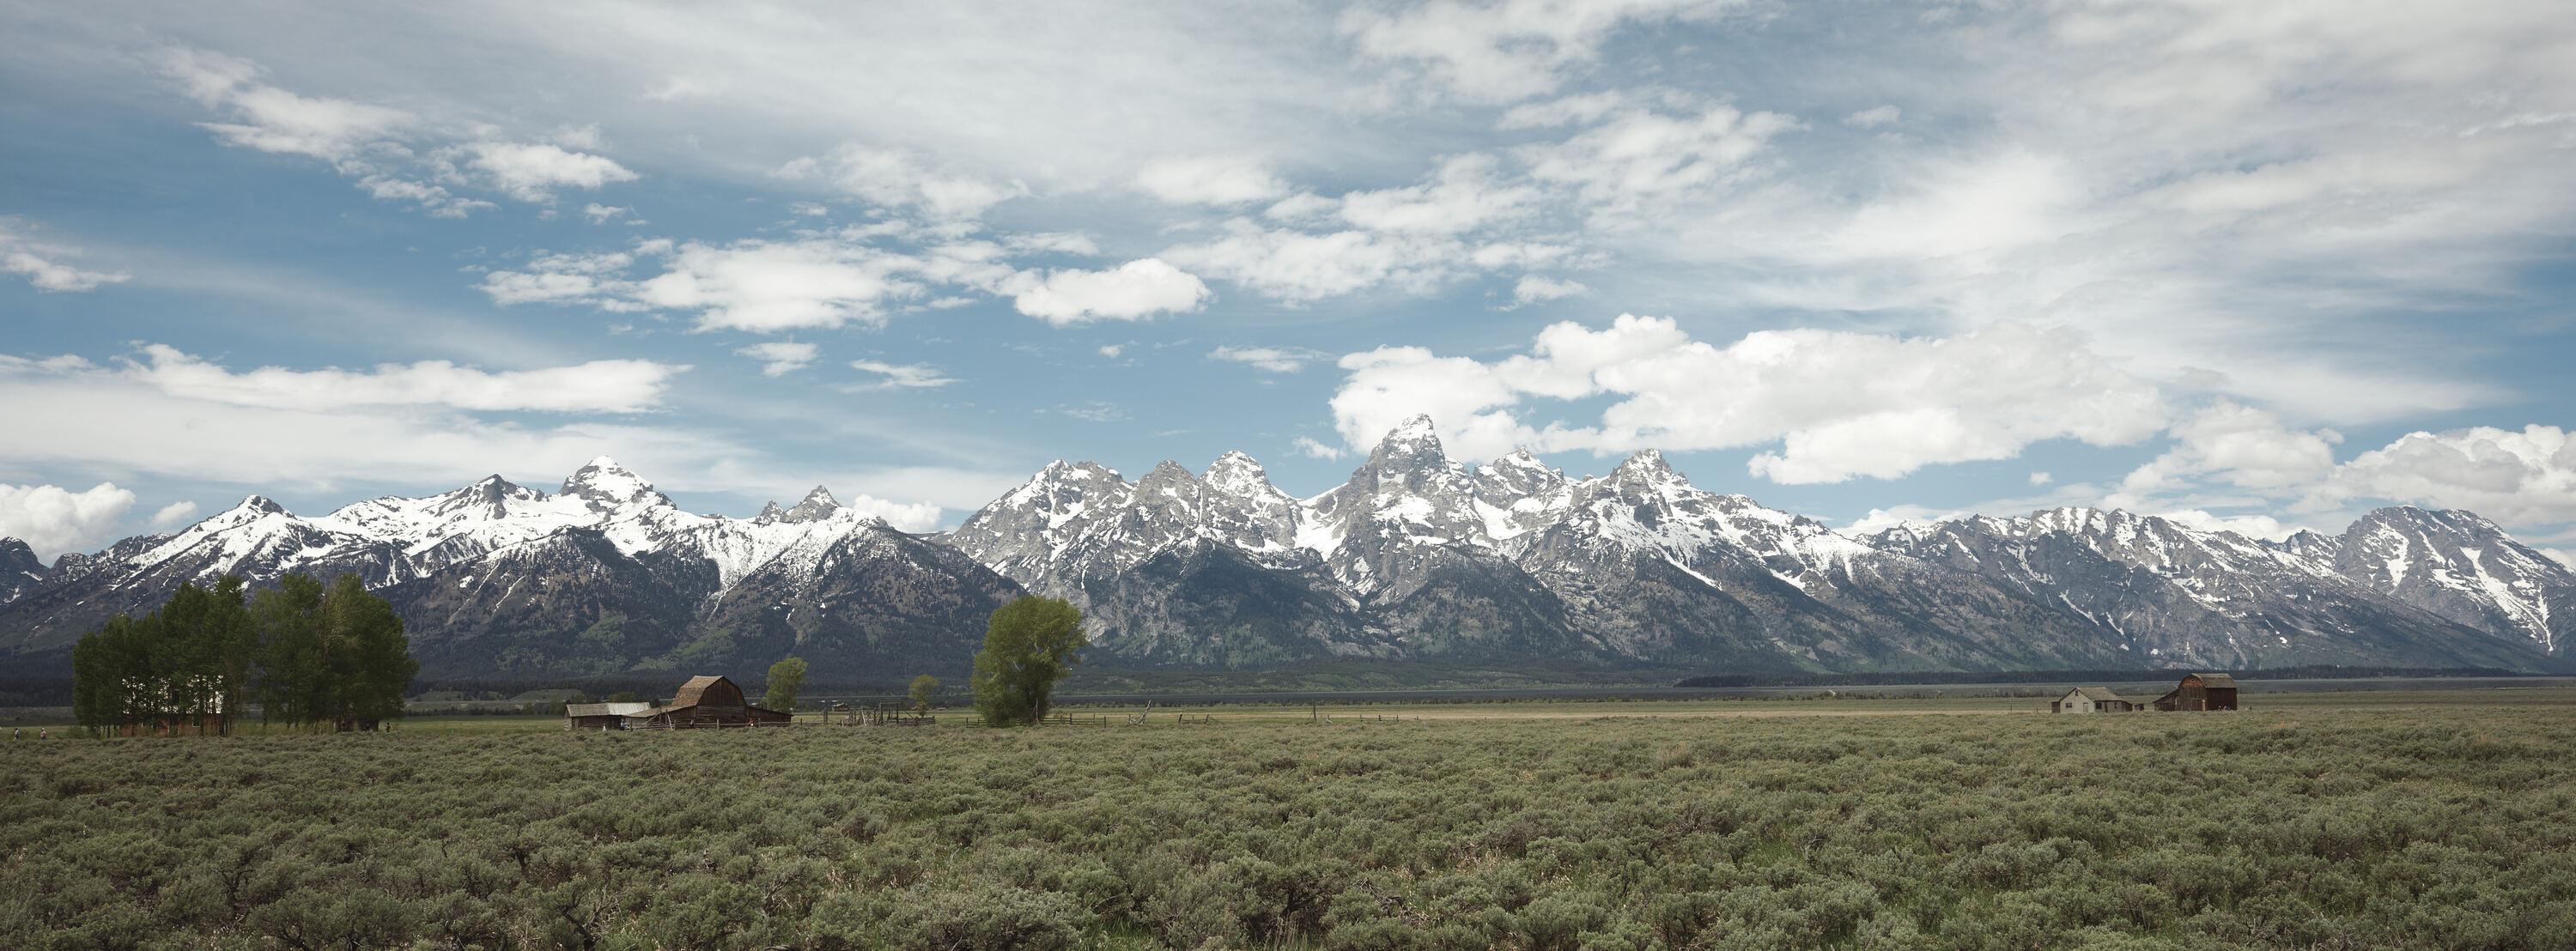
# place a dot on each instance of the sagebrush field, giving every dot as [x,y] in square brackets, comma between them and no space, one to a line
[2442,825]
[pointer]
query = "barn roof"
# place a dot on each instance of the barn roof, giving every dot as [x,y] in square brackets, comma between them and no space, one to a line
[607,709]
[2097,694]
[2217,680]
[691,692]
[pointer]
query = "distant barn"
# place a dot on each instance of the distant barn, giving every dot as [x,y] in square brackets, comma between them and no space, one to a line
[2093,700]
[702,702]
[2201,692]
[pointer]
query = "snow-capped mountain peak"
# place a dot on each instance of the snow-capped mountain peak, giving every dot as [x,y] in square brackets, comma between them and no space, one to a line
[818,505]
[607,485]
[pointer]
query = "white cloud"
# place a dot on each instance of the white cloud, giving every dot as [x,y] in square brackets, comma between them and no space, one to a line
[1307,446]
[780,357]
[1465,193]
[53,520]
[1838,405]
[1507,50]
[766,286]
[602,214]
[2041,478]
[2250,526]
[1634,155]
[911,376]
[1210,180]
[1873,117]
[1297,266]
[270,119]
[2526,477]
[2562,556]
[174,515]
[902,179]
[600,386]
[1113,350]
[530,172]
[21,255]
[1130,291]
[2241,446]
[1273,359]
[1533,289]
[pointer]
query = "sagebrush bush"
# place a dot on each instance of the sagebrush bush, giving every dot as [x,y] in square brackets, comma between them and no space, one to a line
[2429,828]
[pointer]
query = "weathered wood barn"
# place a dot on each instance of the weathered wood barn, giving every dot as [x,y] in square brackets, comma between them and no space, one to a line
[2093,700]
[702,702]
[2201,692]
[715,701]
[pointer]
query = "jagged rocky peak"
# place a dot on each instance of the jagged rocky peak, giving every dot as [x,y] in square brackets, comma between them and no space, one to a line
[491,497]
[1516,476]
[17,559]
[1237,475]
[1168,478]
[1412,442]
[769,514]
[1648,469]
[606,485]
[818,505]
[2315,547]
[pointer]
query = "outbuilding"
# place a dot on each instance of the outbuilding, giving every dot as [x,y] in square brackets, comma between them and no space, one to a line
[2199,692]
[2092,700]
[606,716]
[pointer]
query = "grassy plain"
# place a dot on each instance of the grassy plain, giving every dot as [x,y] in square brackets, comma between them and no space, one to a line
[2437,819]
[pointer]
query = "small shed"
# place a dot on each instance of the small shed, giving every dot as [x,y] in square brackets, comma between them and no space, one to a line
[2199,692]
[2092,700]
[605,716]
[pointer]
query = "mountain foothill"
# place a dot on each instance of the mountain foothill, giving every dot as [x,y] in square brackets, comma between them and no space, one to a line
[1415,558]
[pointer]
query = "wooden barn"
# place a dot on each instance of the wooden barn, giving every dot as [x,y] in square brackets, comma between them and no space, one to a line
[2093,700]
[2201,692]
[714,702]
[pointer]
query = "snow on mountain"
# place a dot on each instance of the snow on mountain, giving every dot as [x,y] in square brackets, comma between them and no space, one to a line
[2459,566]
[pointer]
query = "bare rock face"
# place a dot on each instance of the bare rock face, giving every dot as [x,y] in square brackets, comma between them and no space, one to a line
[604,577]
[2461,567]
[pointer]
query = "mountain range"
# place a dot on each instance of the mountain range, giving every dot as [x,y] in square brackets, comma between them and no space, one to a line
[1415,558]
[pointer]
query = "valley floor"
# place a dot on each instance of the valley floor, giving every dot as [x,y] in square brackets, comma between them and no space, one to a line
[2386,819]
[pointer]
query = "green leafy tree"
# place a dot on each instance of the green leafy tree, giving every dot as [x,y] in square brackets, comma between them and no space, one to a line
[786,677]
[1028,645]
[182,667]
[366,655]
[924,687]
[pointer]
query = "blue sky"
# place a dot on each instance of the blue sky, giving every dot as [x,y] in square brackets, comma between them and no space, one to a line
[2262,266]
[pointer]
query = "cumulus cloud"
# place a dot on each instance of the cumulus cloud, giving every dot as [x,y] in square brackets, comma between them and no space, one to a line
[902,179]
[2526,476]
[1636,153]
[600,214]
[902,377]
[53,520]
[1131,291]
[1210,180]
[1273,359]
[780,357]
[1837,405]
[1465,193]
[600,386]
[21,254]
[270,119]
[2240,446]
[173,516]
[767,286]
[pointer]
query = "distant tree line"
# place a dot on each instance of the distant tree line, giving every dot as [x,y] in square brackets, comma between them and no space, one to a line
[304,653]
[1880,678]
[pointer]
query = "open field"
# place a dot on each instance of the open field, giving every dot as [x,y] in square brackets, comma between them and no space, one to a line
[2392,819]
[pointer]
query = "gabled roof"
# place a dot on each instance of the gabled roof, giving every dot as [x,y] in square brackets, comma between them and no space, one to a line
[2098,694]
[691,692]
[607,709]
[2217,680]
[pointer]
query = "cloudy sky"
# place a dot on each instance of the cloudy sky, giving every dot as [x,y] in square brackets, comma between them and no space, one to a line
[2262,265]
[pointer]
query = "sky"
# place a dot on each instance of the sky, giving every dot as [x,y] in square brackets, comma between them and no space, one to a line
[2258,266]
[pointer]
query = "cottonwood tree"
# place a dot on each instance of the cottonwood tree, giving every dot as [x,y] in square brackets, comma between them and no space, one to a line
[307,654]
[1029,644]
[786,679]
[924,687]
